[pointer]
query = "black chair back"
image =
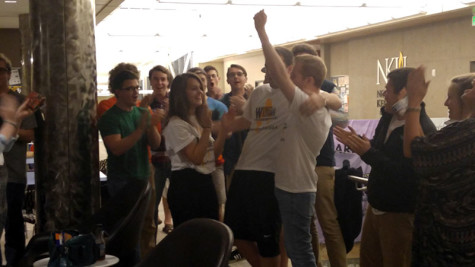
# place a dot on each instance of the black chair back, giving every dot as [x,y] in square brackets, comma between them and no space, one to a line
[36,249]
[199,243]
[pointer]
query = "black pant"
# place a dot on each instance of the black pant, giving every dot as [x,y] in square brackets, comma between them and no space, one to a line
[14,227]
[191,195]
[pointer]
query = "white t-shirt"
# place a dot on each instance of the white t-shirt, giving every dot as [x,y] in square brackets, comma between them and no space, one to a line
[303,139]
[178,134]
[267,110]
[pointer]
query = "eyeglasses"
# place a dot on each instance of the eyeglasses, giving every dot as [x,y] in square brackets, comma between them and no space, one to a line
[232,74]
[131,88]
[4,70]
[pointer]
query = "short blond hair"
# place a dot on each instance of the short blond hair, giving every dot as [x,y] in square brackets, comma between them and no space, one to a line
[312,66]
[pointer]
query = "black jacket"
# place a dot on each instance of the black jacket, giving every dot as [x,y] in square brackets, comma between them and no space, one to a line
[392,183]
[348,204]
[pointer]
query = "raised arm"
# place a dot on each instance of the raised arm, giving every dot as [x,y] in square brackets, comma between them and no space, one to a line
[274,64]
[332,100]
[416,91]
[317,101]
[233,123]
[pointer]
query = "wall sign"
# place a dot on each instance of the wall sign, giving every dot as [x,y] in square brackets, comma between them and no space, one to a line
[382,70]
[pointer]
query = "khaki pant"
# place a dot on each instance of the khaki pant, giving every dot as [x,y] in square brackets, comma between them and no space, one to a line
[327,217]
[386,240]
[149,231]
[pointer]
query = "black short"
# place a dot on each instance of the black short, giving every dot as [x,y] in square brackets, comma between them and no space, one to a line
[191,195]
[252,211]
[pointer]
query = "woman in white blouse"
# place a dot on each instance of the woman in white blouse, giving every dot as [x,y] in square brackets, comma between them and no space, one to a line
[192,151]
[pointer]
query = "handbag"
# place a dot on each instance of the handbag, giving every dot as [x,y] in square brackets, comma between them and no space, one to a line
[71,249]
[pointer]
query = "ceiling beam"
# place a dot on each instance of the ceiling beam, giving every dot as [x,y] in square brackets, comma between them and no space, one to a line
[105,7]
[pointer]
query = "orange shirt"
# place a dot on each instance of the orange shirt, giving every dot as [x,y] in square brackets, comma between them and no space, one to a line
[105,105]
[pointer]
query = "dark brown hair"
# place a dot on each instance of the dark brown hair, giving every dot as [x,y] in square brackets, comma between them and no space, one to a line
[161,68]
[399,78]
[304,49]
[236,66]
[179,105]
[120,73]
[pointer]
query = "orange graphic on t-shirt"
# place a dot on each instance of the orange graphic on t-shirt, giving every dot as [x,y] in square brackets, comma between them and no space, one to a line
[265,113]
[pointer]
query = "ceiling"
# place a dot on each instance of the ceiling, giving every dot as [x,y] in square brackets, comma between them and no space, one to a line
[10,9]
[149,32]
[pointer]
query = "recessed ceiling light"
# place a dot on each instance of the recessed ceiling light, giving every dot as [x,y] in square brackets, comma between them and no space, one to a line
[10,1]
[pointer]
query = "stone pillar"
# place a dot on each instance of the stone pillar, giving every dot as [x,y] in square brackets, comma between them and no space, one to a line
[66,147]
[25,32]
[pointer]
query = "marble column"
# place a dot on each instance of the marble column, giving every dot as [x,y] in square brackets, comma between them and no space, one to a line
[66,147]
[25,32]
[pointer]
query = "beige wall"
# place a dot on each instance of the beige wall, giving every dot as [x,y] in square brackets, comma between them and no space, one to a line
[445,48]
[252,62]
[219,66]
[10,45]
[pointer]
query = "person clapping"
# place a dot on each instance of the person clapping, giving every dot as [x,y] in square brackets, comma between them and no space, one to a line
[12,116]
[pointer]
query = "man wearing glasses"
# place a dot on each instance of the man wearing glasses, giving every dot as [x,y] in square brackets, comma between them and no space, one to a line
[127,130]
[237,79]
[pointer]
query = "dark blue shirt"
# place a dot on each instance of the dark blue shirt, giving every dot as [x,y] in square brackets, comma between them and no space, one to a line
[327,153]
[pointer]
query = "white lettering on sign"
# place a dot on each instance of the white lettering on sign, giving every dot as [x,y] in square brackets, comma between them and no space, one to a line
[390,64]
[382,70]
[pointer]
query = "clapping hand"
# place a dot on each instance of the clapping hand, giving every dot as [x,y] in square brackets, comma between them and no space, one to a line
[237,103]
[157,116]
[10,111]
[146,101]
[358,144]
[204,116]
[416,86]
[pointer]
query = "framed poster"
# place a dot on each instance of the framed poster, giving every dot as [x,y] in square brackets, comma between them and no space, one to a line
[15,78]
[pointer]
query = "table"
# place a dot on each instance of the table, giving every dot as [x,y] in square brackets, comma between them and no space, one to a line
[108,261]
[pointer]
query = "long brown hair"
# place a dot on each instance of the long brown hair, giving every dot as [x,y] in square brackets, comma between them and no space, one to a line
[179,105]
[463,82]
